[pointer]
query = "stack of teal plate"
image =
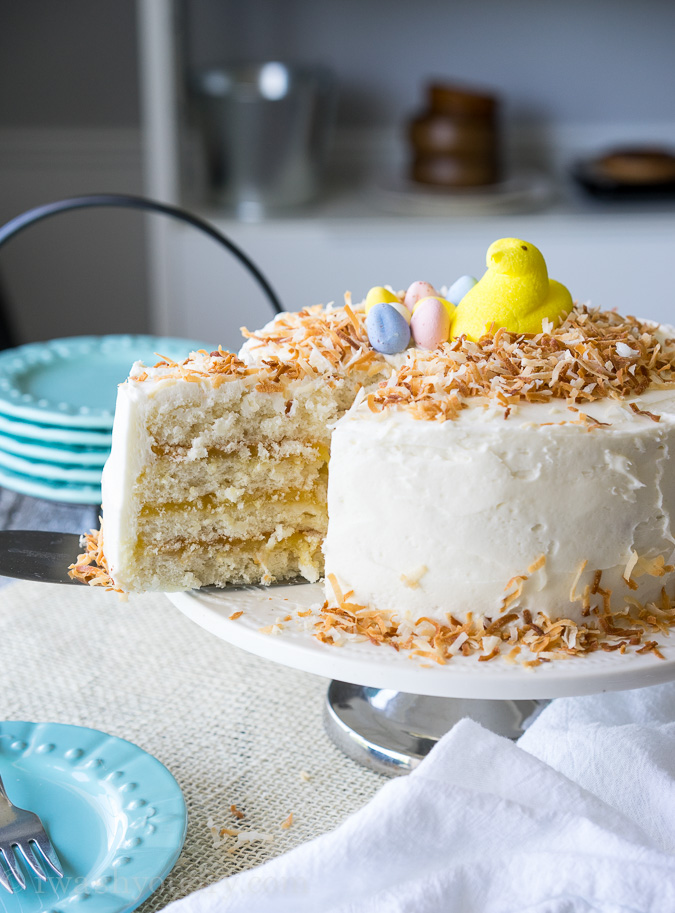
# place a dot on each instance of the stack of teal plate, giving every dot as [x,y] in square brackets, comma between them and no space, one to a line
[57,402]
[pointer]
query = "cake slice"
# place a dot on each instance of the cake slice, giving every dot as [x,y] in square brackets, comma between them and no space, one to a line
[218,469]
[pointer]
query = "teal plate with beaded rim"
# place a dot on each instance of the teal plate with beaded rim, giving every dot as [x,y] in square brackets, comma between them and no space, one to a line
[54,453]
[49,489]
[114,814]
[51,472]
[54,434]
[72,382]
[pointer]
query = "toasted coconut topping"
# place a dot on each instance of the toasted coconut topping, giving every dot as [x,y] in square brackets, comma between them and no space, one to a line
[325,340]
[537,565]
[317,341]
[219,367]
[593,355]
[515,634]
[91,566]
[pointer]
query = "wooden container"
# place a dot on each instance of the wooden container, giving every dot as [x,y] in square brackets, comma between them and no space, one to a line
[455,140]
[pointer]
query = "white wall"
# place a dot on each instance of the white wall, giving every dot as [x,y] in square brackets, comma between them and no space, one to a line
[68,126]
[75,273]
[573,61]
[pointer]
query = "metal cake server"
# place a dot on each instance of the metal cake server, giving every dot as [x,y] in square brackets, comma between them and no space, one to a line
[38,555]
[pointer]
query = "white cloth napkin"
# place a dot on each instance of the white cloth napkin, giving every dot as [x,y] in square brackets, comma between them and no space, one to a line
[578,816]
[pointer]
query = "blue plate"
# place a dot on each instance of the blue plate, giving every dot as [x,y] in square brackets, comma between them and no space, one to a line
[72,455]
[67,492]
[51,472]
[72,382]
[115,816]
[53,434]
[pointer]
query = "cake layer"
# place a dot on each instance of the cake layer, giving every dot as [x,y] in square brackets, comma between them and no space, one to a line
[251,515]
[184,564]
[546,511]
[179,415]
[245,471]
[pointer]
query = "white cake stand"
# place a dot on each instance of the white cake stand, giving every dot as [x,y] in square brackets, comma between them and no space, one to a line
[386,708]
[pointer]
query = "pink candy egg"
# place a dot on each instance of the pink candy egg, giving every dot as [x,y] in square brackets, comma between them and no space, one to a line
[430,323]
[417,291]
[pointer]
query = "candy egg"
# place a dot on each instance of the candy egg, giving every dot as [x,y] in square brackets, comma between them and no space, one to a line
[402,309]
[416,292]
[448,305]
[379,294]
[459,288]
[387,329]
[430,324]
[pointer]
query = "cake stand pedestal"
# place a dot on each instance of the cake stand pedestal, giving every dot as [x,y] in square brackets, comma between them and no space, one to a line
[387,708]
[392,731]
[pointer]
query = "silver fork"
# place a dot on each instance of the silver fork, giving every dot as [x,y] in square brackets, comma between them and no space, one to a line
[22,830]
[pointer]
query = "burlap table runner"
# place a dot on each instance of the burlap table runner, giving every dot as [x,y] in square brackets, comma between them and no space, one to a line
[233,729]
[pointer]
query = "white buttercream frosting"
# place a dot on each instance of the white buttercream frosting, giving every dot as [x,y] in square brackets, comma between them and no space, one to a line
[429,518]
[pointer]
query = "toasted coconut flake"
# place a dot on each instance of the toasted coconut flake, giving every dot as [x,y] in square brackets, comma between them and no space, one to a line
[488,656]
[628,570]
[577,361]
[651,415]
[412,580]
[327,340]
[500,623]
[573,590]
[273,629]
[337,592]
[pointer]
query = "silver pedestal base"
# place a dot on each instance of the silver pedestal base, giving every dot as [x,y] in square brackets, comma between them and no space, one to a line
[391,731]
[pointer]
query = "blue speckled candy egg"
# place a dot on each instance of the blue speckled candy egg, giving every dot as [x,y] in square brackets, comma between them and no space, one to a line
[459,288]
[387,329]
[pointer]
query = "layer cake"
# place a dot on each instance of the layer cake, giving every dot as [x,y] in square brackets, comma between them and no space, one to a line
[514,488]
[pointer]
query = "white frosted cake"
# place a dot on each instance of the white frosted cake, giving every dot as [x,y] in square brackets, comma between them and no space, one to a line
[459,516]
[489,490]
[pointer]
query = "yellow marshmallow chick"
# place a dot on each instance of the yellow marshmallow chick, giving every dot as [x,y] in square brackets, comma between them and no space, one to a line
[514,293]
